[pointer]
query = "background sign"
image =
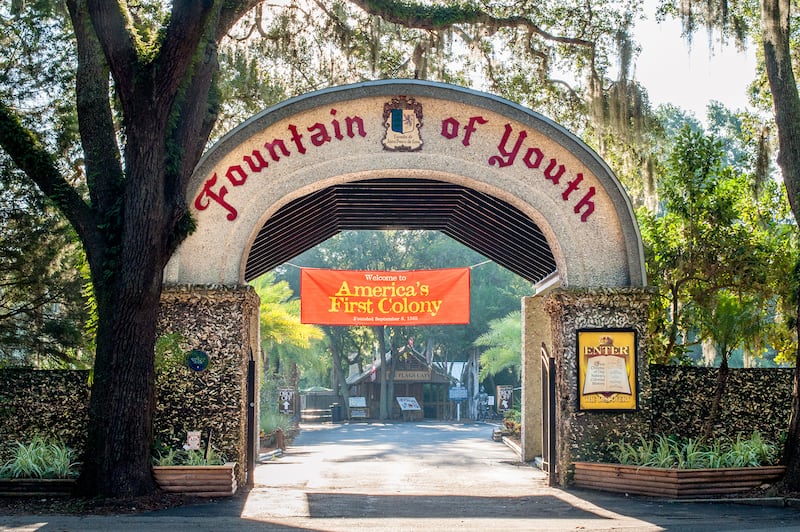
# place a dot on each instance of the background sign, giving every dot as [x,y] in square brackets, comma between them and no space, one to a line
[416,297]
[505,397]
[286,401]
[458,393]
[607,369]
[357,402]
[408,403]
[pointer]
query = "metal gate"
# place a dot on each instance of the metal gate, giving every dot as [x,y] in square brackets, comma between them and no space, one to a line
[548,415]
[252,428]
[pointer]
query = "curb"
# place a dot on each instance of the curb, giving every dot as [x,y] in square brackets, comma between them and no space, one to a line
[266,457]
[511,444]
[776,502]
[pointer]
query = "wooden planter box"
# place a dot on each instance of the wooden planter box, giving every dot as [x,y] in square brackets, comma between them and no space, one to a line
[672,483]
[200,481]
[23,487]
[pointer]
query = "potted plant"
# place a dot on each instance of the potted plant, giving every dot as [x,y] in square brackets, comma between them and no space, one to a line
[667,467]
[39,467]
[194,472]
[512,424]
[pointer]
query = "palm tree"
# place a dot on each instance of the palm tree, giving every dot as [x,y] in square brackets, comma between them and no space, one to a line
[504,340]
[282,334]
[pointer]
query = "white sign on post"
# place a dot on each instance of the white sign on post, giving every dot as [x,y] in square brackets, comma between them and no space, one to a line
[192,440]
[286,401]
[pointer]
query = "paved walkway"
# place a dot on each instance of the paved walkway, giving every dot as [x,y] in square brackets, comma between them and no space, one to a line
[418,476]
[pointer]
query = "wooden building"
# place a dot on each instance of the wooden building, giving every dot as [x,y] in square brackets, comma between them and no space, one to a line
[413,377]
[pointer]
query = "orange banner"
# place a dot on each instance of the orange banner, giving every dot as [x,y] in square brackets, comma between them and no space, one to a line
[418,297]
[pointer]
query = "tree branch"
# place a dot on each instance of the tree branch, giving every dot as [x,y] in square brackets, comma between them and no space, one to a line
[95,120]
[230,15]
[32,157]
[197,106]
[186,30]
[112,28]
[438,17]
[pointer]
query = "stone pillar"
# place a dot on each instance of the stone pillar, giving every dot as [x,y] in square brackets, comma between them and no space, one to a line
[222,322]
[588,435]
[535,331]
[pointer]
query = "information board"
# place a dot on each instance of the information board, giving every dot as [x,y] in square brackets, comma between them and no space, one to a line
[357,402]
[408,403]
[607,369]
[457,393]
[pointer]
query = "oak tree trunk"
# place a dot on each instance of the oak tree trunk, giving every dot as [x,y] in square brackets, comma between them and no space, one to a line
[117,457]
[776,35]
[791,449]
[128,282]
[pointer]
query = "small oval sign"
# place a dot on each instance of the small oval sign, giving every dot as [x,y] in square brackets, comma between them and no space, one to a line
[197,360]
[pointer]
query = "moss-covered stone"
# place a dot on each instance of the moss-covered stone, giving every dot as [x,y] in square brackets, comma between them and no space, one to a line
[755,399]
[218,321]
[50,404]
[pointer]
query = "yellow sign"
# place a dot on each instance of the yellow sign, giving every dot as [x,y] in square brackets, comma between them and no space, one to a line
[607,369]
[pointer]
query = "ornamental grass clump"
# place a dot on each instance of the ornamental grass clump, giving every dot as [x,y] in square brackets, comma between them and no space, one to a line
[173,457]
[750,452]
[670,453]
[41,459]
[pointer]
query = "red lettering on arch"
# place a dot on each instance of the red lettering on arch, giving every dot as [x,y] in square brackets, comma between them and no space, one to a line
[259,159]
[233,172]
[450,128]
[586,201]
[507,157]
[217,197]
[319,134]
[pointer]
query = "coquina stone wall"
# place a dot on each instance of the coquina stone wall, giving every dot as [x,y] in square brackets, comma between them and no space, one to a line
[219,321]
[222,322]
[54,403]
[673,400]
[581,434]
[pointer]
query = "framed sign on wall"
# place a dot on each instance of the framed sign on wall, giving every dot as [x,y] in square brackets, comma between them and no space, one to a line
[607,369]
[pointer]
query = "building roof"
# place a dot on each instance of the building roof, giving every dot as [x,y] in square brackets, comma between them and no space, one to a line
[418,359]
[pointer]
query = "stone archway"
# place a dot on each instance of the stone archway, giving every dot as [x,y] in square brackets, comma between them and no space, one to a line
[408,132]
[472,139]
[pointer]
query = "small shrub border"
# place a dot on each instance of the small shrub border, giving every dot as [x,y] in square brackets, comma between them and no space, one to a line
[694,453]
[512,422]
[41,459]
[188,457]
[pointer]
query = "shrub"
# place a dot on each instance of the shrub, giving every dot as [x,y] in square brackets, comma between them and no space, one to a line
[512,422]
[41,459]
[275,420]
[696,454]
[173,457]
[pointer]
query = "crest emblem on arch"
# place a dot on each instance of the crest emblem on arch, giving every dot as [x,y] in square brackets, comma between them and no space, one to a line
[402,118]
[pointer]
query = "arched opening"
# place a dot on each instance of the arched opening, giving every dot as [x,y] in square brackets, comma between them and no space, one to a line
[476,219]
